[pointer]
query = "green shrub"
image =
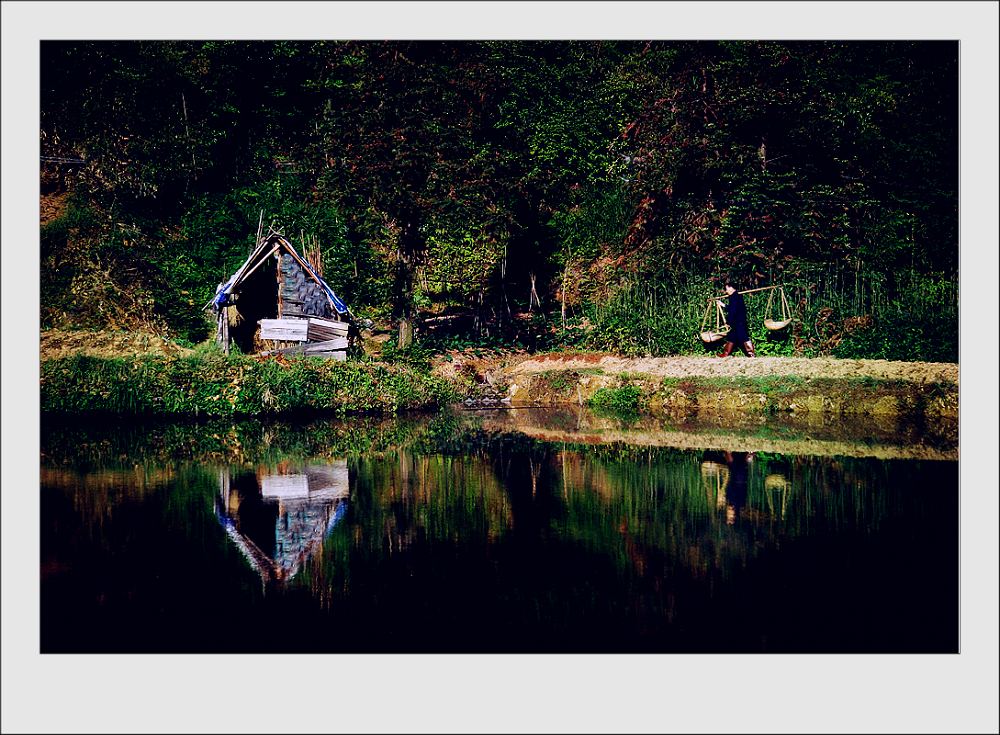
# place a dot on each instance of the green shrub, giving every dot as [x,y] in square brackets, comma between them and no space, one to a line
[627,399]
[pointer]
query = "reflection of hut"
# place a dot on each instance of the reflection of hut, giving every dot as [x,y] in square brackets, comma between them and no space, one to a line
[279,519]
[277,296]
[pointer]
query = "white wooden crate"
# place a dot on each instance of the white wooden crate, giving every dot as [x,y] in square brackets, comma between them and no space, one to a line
[286,330]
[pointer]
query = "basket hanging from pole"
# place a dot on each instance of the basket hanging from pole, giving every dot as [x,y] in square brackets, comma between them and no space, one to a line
[786,317]
[708,336]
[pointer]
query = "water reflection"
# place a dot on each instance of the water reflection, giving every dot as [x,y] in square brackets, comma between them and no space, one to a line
[466,536]
[278,518]
[728,479]
[725,477]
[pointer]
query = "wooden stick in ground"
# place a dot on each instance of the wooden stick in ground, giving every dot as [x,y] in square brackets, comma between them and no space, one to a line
[565,277]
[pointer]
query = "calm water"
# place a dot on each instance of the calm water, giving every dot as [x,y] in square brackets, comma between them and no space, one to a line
[449,534]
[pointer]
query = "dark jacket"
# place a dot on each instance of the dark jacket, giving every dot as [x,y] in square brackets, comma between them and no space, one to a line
[736,315]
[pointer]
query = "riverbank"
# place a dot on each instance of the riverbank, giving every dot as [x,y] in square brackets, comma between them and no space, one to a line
[708,384]
[218,385]
[142,374]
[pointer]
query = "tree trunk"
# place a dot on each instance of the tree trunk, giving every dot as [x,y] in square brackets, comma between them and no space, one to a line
[405,333]
[408,250]
[565,280]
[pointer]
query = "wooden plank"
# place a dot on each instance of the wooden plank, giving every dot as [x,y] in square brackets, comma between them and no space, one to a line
[281,335]
[310,348]
[320,335]
[329,324]
[339,356]
[284,486]
[293,330]
[339,343]
[324,329]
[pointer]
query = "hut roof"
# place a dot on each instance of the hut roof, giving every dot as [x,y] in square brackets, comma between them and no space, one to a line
[268,246]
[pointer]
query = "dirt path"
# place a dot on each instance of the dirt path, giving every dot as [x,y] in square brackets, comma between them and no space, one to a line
[56,343]
[821,385]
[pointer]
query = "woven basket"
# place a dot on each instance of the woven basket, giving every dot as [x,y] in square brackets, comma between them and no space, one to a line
[710,337]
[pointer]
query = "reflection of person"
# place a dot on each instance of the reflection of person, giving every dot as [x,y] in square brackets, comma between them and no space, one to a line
[736,315]
[736,488]
[727,482]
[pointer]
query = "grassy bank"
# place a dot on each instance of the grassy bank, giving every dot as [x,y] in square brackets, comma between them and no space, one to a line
[217,385]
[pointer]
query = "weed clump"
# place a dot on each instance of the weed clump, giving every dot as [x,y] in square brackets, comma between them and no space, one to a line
[624,400]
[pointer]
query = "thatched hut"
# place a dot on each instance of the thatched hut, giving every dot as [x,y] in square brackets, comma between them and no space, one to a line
[277,297]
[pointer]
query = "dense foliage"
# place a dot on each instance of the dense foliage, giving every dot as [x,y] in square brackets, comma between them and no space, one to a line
[539,193]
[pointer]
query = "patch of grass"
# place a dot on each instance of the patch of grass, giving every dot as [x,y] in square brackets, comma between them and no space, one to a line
[625,400]
[767,384]
[776,384]
[559,381]
[626,377]
[872,383]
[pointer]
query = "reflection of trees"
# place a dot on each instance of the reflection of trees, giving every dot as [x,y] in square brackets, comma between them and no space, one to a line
[502,530]
[97,493]
[660,513]
[404,500]
[432,495]
[684,508]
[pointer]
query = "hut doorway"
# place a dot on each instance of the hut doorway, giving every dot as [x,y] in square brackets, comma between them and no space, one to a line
[256,299]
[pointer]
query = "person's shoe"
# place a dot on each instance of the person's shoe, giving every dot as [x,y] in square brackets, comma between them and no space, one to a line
[727,350]
[748,348]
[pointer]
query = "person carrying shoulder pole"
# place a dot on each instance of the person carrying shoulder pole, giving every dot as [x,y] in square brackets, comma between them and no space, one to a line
[736,316]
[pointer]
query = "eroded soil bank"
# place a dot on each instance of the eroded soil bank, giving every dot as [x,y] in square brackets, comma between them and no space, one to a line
[765,385]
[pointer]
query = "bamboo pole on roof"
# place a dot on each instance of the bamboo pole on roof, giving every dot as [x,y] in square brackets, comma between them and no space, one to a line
[239,274]
[260,262]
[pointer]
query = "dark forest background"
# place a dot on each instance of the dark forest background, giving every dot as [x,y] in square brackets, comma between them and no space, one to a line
[619,180]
